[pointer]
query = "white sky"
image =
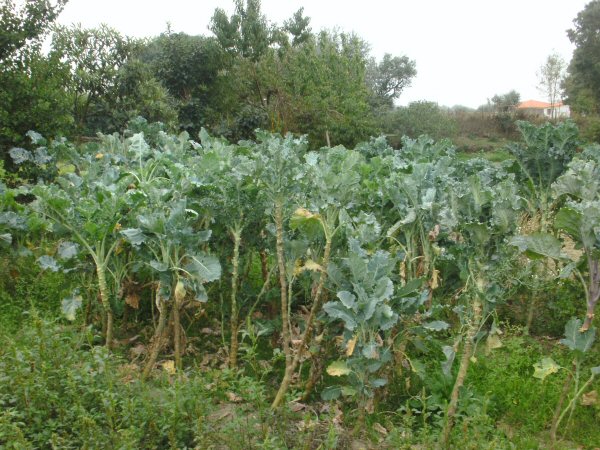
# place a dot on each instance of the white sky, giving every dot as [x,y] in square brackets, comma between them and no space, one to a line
[466,50]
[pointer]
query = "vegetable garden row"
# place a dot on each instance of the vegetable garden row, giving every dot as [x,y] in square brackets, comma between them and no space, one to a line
[352,266]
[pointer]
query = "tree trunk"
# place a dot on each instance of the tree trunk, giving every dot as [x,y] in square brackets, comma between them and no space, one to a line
[316,303]
[233,349]
[462,372]
[100,271]
[158,335]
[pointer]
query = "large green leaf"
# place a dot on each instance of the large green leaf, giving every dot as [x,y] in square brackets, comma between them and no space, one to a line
[436,325]
[347,298]
[545,367]
[48,263]
[336,310]
[538,245]
[70,305]
[205,267]
[67,250]
[134,236]
[331,393]
[577,340]
[338,368]
[450,354]
[569,220]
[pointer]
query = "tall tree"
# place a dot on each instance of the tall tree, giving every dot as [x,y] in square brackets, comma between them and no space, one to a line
[26,25]
[94,56]
[189,67]
[583,81]
[506,102]
[550,78]
[246,33]
[31,84]
[388,78]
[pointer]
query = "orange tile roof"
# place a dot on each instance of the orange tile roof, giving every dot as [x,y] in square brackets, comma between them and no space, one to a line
[534,104]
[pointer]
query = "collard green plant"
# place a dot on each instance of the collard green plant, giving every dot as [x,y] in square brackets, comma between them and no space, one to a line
[88,205]
[542,158]
[364,295]
[335,182]
[234,201]
[579,219]
[579,341]
[170,245]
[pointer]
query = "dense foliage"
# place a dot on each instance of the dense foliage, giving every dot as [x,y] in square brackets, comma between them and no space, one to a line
[246,268]
[387,267]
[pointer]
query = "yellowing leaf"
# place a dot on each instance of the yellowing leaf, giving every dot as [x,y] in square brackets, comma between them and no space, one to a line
[589,398]
[99,155]
[309,265]
[233,397]
[380,429]
[303,213]
[434,283]
[545,367]
[133,300]
[169,367]
[312,266]
[492,342]
[180,292]
[338,368]
[298,268]
[350,345]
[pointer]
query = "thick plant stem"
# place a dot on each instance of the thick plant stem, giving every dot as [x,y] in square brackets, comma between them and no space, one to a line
[234,321]
[359,426]
[559,405]
[158,336]
[593,292]
[530,314]
[264,265]
[316,304]
[316,369]
[177,334]
[462,373]
[100,271]
[285,330]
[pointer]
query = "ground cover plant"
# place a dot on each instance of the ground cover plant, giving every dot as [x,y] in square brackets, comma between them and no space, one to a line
[205,294]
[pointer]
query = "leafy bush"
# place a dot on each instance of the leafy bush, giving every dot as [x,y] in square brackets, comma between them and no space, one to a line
[419,118]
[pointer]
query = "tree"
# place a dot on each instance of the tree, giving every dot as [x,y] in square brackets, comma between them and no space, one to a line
[506,102]
[246,33]
[583,81]
[32,99]
[298,27]
[319,88]
[189,67]
[419,118]
[388,78]
[31,85]
[94,56]
[27,25]
[550,78]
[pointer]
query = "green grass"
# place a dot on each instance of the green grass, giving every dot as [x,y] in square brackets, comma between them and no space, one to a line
[525,404]
[57,390]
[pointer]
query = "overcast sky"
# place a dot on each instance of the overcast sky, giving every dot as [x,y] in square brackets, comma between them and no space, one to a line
[466,50]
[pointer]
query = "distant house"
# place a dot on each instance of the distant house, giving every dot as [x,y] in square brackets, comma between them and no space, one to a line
[545,109]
